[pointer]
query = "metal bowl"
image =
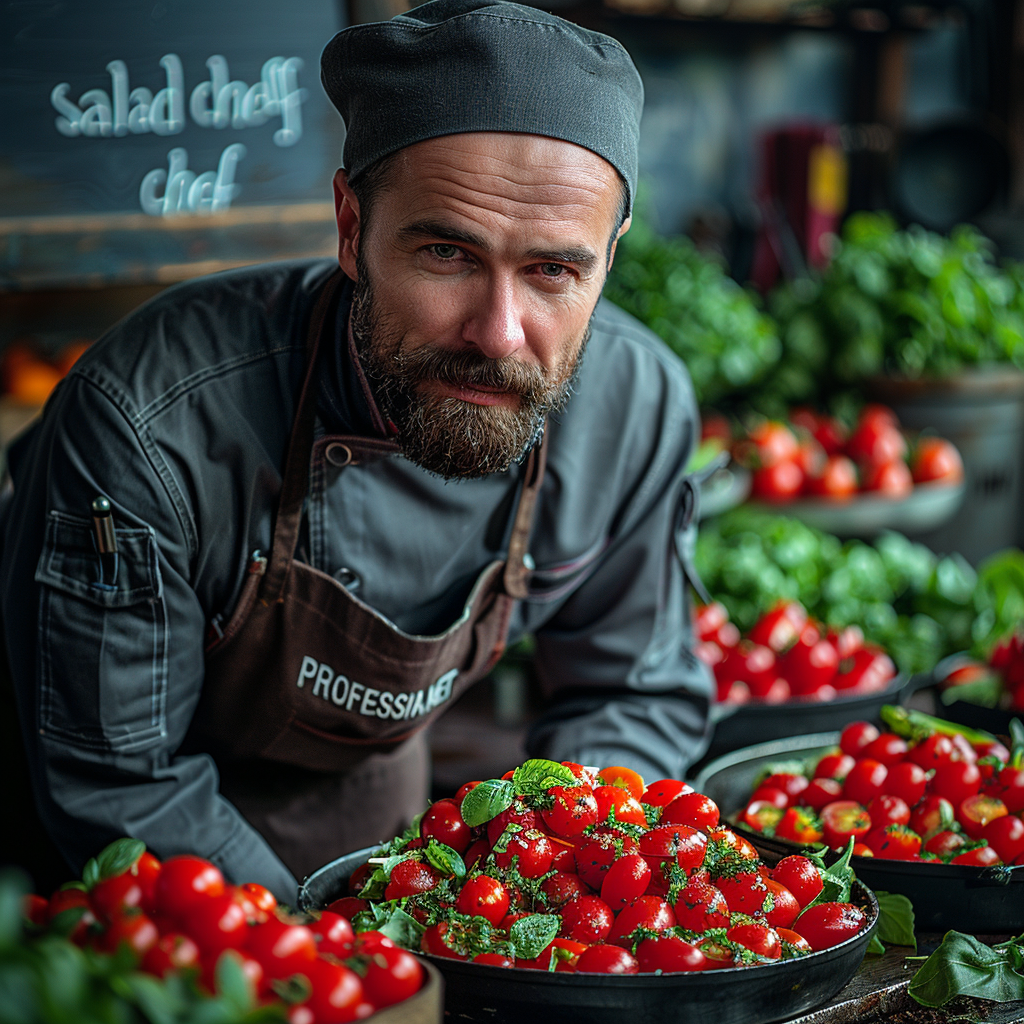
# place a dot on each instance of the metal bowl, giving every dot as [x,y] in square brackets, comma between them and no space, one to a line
[739,725]
[735,995]
[969,899]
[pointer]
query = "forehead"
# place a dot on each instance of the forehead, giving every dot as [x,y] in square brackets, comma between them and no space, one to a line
[505,181]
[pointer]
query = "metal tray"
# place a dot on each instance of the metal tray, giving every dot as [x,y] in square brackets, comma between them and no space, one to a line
[739,725]
[973,900]
[737,995]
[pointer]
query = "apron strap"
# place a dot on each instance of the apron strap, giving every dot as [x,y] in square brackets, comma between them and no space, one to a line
[295,483]
[517,573]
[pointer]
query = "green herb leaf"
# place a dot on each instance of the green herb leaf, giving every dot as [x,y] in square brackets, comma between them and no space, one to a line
[875,946]
[119,856]
[895,919]
[487,801]
[403,929]
[539,775]
[837,880]
[964,966]
[91,874]
[530,936]
[445,859]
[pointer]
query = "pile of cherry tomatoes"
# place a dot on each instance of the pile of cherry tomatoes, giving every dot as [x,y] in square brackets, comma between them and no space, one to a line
[181,915]
[939,799]
[594,872]
[787,654]
[1004,670]
[814,455]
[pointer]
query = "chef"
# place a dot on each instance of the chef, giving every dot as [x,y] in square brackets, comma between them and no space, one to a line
[278,520]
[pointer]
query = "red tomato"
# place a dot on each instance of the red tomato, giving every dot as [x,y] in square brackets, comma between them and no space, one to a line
[908,781]
[874,441]
[937,459]
[856,736]
[787,935]
[700,906]
[217,923]
[835,481]
[34,909]
[887,748]
[625,778]
[779,628]
[670,955]
[888,810]
[494,959]
[1008,786]
[261,897]
[761,939]
[433,942]
[171,952]
[773,442]
[843,820]
[774,796]
[646,912]
[717,955]
[745,892]
[587,919]
[945,843]
[977,811]
[606,960]
[980,857]
[409,877]
[931,752]
[348,906]
[682,843]
[596,852]
[956,780]
[517,814]
[893,842]
[574,808]
[800,876]
[663,792]
[827,924]
[625,880]
[786,907]
[798,825]
[337,991]
[483,896]
[1005,835]
[280,947]
[888,479]
[251,969]
[466,787]
[933,814]
[821,792]
[693,809]
[135,930]
[834,766]
[391,976]
[443,821]
[531,851]
[789,782]
[865,781]
[183,882]
[831,434]
[778,483]
[562,887]
[615,802]
[146,869]
[70,899]
[748,663]
[111,897]
[810,663]
[811,458]
[760,815]
[333,934]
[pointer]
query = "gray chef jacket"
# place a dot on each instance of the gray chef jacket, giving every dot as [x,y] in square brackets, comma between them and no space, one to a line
[180,416]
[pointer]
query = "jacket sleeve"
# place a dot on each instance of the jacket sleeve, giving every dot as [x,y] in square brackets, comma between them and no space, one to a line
[107,661]
[616,658]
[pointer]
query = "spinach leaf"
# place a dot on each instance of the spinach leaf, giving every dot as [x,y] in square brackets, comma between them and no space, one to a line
[965,966]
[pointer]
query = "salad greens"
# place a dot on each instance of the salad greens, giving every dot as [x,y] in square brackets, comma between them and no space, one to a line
[965,966]
[919,606]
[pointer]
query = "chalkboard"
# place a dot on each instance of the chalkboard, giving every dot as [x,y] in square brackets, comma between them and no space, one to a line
[168,108]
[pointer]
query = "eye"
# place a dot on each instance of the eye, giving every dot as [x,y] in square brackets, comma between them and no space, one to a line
[444,251]
[552,269]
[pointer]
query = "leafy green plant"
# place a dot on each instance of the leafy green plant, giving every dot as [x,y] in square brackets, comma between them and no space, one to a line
[965,966]
[916,604]
[909,303]
[706,318]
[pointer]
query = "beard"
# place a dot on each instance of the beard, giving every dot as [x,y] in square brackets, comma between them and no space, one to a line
[452,438]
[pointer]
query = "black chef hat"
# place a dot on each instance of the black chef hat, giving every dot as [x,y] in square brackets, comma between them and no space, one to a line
[454,66]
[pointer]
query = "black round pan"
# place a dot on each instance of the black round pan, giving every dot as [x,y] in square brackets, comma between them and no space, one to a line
[974,900]
[742,995]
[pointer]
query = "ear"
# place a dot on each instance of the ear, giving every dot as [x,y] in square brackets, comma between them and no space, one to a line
[615,241]
[346,213]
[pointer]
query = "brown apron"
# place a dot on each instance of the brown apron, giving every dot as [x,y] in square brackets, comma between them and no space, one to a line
[313,703]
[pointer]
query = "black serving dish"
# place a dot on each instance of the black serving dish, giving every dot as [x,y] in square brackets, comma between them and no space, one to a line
[973,900]
[739,725]
[736,995]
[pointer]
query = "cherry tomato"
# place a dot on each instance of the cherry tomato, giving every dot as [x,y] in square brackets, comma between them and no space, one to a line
[778,483]
[409,877]
[876,443]
[625,880]
[466,787]
[603,959]
[133,929]
[979,857]
[485,897]
[936,459]
[893,842]
[842,820]
[888,810]
[184,881]
[562,887]
[171,952]
[865,781]
[717,956]
[956,781]
[624,778]
[834,766]
[761,814]
[251,970]
[800,876]
[333,934]
[1005,834]
[761,939]
[887,748]
[391,976]
[1008,786]
[790,783]
[670,955]
[745,892]
[836,480]
[494,960]
[700,906]
[433,942]
[443,821]
[664,791]
[531,851]
[217,923]
[574,809]
[694,809]
[682,843]
[596,852]
[821,792]
[337,991]
[280,947]
[977,811]
[827,924]
[856,736]
[587,919]
[262,898]
[517,814]
[348,906]
[616,804]
[810,663]
[113,896]
[945,843]
[773,442]
[779,628]
[785,906]
[70,899]
[750,663]
[773,795]
[798,825]
[790,937]
[908,781]
[646,912]
[931,752]
[933,814]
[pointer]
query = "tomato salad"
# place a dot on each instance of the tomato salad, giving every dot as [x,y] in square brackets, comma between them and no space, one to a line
[924,790]
[558,867]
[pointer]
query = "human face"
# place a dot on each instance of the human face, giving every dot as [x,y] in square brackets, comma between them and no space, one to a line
[476,280]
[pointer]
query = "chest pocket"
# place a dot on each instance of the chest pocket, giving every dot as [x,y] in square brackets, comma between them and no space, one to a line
[102,638]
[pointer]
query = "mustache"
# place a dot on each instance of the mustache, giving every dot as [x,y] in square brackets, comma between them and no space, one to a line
[471,368]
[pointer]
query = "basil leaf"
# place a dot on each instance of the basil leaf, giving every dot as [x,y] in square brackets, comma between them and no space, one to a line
[501,843]
[875,946]
[445,859]
[965,966]
[837,880]
[91,874]
[232,983]
[119,856]
[530,936]
[487,801]
[539,775]
[403,929]
[895,919]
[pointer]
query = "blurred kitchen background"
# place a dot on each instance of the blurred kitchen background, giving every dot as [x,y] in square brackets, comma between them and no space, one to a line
[831,211]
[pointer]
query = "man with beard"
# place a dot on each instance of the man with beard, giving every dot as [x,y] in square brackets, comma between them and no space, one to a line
[278,520]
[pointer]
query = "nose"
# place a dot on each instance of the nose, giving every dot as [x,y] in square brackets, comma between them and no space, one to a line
[494,323]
